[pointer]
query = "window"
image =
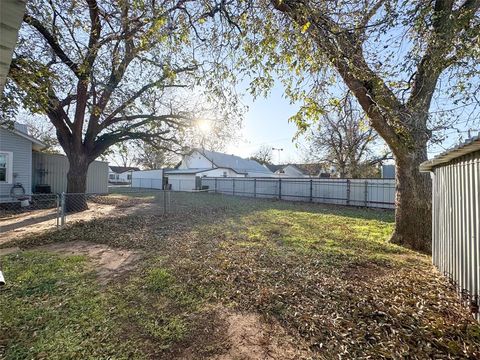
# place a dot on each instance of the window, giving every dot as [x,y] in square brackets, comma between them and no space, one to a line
[111,176]
[129,177]
[224,174]
[6,158]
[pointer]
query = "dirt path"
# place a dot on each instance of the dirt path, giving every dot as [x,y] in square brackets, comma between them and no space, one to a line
[38,221]
[108,262]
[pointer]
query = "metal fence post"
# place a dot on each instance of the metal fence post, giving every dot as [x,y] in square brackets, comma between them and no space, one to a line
[348,191]
[216,185]
[254,187]
[279,189]
[366,193]
[233,185]
[164,202]
[62,209]
[311,190]
[57,203]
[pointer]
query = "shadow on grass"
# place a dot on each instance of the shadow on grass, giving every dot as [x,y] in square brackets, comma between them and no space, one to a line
[327,273]
[290,222]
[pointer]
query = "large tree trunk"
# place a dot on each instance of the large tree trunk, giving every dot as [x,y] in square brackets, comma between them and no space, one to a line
[413,219]
[76,183]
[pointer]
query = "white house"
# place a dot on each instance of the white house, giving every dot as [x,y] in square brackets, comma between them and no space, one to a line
[302,170]
[121,174]
[203,163]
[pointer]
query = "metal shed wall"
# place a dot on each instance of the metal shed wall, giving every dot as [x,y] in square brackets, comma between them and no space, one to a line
[456,224]
[52,169]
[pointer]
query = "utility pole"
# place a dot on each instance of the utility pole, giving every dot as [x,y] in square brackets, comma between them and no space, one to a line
[278,150]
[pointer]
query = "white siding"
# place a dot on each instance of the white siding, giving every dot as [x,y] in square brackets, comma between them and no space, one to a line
[152,179]
[52,169]
[219,172]
[195,161]
[21,149]
[182,182]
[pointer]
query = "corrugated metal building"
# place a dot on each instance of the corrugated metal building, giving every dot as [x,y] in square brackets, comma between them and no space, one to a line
[456,217]
[51,169]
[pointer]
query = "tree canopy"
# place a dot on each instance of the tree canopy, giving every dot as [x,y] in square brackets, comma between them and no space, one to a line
[399,59]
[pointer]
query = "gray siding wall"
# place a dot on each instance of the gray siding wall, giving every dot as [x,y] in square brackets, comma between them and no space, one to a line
[22,161]
[52,169]
[456,223]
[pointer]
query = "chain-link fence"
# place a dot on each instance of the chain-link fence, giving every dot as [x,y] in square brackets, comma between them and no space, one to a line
[17,213]
[33,213]
[39,212]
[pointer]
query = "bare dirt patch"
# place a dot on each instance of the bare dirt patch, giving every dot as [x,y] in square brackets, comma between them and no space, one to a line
[250,337]
[39,221]
[108,262]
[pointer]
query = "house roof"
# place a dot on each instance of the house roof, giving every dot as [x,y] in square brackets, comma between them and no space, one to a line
[22,131]
[274,168]
[12,14]
[310,169]
[233,162]
[195,171]
[122,169]
[306,169]
[467,147]
[185,171]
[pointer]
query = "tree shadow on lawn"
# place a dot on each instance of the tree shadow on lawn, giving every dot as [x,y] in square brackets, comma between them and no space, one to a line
[326,273]
[303,225]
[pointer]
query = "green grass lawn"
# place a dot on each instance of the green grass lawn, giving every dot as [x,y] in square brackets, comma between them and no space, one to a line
[325,274]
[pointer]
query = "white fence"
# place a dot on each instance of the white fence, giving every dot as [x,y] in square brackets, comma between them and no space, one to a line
[379,193]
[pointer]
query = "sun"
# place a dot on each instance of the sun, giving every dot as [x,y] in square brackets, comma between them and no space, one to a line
[204,126]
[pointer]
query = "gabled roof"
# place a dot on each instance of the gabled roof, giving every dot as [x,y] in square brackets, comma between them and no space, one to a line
[21,130]
[122,169]
[233,162]
[196,171]
[305,169]
[467,147]
[274,168]
[310,169]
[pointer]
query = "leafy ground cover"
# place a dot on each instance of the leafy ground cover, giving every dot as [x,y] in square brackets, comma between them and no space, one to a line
[320,281]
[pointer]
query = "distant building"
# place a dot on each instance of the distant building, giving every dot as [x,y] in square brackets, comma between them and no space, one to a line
[203,163]
[121,174]
[302,170]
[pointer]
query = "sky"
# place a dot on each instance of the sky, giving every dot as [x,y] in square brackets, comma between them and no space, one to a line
[266,124]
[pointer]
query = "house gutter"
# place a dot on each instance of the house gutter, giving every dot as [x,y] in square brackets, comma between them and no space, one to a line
[11,17]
